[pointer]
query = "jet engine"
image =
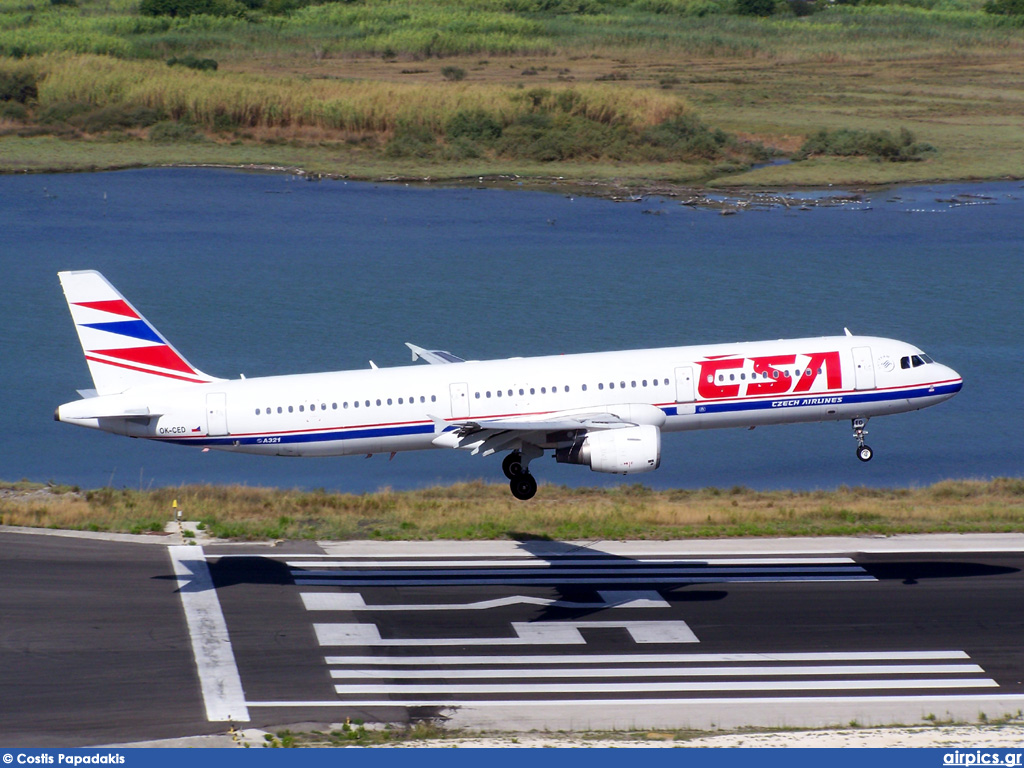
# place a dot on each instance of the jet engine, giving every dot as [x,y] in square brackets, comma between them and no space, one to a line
[618,451]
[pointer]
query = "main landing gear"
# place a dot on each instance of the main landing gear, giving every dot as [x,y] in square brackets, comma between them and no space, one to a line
[520,481]
[864,453]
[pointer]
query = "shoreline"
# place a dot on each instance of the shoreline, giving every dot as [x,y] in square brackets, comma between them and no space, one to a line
[706,196]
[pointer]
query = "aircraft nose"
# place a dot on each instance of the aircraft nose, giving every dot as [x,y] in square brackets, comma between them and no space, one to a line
[955,380]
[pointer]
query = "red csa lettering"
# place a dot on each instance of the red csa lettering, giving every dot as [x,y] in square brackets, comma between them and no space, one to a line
[830,362]
[709,370]
[775,382]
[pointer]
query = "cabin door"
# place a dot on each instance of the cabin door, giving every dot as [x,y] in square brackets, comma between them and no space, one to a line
[216,414]
[863,368]
[684,391]
[460,400]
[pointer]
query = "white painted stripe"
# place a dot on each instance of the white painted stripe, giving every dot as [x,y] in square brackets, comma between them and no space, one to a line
[929,700]
[211,646]
[527,633]
[648,658]
[555,578]
[477,570]
[496,674]
[353,601]
[534,561]
[659,687]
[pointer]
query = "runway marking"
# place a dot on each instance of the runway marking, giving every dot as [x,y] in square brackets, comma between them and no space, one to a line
[555,579]
[215,661]
[353,601]
[661,687]
[568,672]
[478,570]
[650,658]
[527,633]
[537,561]
[929,700]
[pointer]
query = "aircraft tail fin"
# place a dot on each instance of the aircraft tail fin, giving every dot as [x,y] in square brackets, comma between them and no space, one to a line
[122,348]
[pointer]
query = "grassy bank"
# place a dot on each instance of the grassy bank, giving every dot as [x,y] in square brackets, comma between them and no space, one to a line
[684,91]
[479,511]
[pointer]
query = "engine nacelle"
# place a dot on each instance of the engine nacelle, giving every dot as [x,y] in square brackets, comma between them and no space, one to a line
[618,451]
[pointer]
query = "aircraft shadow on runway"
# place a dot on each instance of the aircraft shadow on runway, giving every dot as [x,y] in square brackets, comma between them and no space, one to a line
[914,571]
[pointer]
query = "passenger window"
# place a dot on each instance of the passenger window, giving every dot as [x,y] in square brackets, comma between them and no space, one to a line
[257,411]
[644,382]
[532,392]
[584,387]
[775,374]
[499,393]
[345,405]
[611,385]
[510,393]
[291,409]
[355,403]
[279,409]
[566,387]
[543,390]
[302,409]
[334,406]
[366,403]
[633,384]
[433,398]
[378,401]
[400,401]
[600,385]
[521,392]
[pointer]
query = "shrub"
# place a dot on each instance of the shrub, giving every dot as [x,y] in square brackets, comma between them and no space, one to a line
[171,131]
[411,140]
[62,112]
[475,125]
[18,86]
[183,8]
[193,62]
[755,7]
[1005,7]
[116,117]
[880,145]
[453,74]
[13,110]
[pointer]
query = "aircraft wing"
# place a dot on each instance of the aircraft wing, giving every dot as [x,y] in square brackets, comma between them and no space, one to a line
[433,356]
[487,436]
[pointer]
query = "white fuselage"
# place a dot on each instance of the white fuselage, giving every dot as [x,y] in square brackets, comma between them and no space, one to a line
[402,409]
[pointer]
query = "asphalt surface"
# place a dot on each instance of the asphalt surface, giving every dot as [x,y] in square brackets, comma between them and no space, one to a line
[101,642]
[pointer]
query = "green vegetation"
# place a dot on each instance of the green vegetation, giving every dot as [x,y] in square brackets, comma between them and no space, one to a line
[480,511]
[692,90]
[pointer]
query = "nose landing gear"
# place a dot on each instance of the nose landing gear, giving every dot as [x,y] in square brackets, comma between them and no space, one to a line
[864,453]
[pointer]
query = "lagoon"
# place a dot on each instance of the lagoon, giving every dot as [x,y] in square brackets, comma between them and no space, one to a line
[260,273]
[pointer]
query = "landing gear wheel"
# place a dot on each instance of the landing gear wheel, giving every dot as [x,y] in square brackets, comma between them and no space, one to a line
[864,453]
[523,486]
[512,465]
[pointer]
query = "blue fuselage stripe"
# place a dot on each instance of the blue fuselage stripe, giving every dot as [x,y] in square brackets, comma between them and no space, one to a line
[702,408]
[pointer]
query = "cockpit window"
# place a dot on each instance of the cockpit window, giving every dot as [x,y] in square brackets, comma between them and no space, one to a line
[915,361]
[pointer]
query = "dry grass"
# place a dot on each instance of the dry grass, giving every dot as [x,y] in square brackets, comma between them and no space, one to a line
[483,511]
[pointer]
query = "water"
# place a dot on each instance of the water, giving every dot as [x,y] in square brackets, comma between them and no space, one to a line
[264,274]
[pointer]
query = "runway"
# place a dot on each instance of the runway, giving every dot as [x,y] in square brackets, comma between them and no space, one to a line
[513,635]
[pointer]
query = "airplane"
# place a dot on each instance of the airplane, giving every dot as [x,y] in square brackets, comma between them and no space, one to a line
[604,410]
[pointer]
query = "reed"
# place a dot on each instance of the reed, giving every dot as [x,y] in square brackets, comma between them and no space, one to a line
[355,106]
